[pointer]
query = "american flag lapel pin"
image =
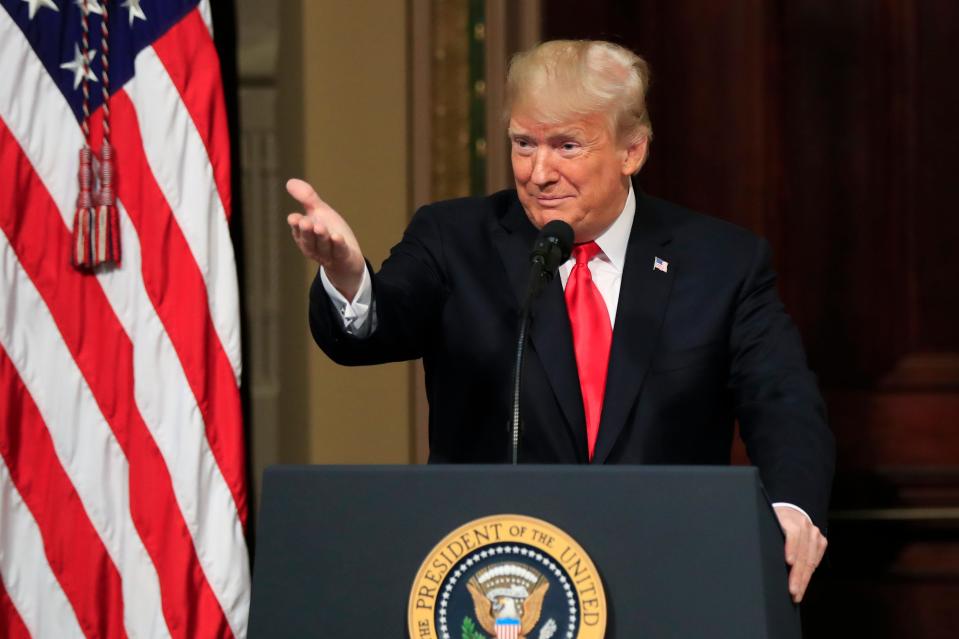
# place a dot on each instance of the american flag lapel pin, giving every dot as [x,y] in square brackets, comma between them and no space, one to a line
[660,264]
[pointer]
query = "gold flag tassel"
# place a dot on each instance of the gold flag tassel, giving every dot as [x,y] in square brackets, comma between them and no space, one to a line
[108,219]
[82,247]
[96,229]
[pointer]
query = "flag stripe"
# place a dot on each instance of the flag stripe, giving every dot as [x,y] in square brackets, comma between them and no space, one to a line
[81,437]
[190,59]
[10,619]
[75,553]
[87,320]
[178,161]
[33,589]
[171,276]
[30,107]
[204,8]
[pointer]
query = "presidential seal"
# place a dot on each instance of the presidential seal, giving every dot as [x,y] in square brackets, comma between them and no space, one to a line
[507,577]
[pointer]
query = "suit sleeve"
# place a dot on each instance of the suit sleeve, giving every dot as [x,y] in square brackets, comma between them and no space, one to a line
[408,295]
[781,413]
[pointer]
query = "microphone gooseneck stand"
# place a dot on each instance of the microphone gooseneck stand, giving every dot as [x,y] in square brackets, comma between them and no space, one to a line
[552,248]
[518,365]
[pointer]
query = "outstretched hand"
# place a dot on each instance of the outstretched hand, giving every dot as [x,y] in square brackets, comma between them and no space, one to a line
[805,546]
[323,235]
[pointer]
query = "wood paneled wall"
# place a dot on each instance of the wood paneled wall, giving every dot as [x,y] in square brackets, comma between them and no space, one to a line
[831,128]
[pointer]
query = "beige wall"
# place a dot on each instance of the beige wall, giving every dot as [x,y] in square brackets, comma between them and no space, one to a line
[342,116]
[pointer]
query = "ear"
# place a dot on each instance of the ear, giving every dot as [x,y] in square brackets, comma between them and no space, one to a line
[635,156]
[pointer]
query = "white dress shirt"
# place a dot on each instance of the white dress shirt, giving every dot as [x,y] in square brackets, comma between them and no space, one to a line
[606,269]
[356,313]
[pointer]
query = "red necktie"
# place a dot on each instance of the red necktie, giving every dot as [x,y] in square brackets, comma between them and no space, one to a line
[592,336]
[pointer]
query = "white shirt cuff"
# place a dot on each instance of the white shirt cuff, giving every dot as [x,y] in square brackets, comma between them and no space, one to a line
[785,504]
[356,313]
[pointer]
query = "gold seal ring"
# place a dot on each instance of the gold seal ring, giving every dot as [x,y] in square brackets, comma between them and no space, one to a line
[515,576]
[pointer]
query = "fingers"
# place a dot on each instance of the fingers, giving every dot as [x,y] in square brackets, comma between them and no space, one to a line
[311,236]
[816,547]
[793,536]
[316,241]
[810,554]
[310,229]
[304,194]
[338,247]
[796,554]
[800,572]
[293,220]
[804,549]
[324,236]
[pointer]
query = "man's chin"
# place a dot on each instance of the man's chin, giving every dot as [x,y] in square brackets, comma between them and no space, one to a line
[541,217]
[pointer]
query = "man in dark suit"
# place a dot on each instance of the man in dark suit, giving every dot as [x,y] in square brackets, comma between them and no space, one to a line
[662,329]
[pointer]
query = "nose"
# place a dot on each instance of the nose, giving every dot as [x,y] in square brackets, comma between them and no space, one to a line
[544,172]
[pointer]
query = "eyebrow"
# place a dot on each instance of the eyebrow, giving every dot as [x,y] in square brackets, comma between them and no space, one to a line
[563,133]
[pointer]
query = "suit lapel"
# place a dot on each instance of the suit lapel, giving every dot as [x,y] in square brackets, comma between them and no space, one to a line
[550,334]
[643,297]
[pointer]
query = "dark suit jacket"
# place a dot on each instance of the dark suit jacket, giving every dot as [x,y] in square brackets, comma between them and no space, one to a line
[693,349]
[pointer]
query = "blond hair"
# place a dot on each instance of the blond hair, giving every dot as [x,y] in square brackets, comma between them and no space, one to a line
[561,79]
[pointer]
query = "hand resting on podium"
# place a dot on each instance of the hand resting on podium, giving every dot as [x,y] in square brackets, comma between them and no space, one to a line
[805,546]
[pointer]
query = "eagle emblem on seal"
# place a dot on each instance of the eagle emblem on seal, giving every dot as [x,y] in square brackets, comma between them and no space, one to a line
[508,599]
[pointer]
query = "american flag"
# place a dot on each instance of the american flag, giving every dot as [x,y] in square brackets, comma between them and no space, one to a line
[660,264]
[507,628]
[122,492]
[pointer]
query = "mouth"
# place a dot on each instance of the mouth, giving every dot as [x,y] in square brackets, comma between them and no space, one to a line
[550,201]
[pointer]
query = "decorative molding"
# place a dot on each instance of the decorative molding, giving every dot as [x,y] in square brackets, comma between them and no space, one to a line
[476,36]
[450,152]
[258,28]
[924,371]
[940,515]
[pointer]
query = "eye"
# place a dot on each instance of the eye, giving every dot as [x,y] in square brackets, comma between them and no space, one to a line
[522,145]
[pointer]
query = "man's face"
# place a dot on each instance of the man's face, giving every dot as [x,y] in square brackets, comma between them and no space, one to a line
[573,171]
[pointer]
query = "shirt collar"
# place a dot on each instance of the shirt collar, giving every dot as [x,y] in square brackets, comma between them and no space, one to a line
[614,240]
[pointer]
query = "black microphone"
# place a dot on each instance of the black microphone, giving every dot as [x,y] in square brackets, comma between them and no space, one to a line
[552,248]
